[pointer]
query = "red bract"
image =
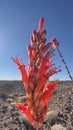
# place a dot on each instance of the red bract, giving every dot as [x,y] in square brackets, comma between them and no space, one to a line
[41,24]
[26,111]
[36,79]
[55,42]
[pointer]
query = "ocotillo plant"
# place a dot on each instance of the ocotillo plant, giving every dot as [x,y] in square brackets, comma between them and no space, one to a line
[36,79]
[56,44]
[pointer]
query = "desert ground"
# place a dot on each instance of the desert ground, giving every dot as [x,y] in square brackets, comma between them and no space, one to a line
[60,107]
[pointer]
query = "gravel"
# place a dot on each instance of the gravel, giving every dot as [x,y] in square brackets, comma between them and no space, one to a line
[60,107]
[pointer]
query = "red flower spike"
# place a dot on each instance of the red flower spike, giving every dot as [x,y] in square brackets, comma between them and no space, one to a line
[28,90]
[41,24]
[40,84]
[30,56]
[47,92]
[46,47]
[31,40]
[25,110]
[44,41]
[44,60]
[43,35]
[55,42]
[45,101]
[21,66]
[50,86]
[34,34]
[40,68]
[52,72]
[17,60]
[44,71]
[24,74]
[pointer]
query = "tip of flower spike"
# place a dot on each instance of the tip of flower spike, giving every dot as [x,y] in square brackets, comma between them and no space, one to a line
[17,60]
[41,24]
[55,42]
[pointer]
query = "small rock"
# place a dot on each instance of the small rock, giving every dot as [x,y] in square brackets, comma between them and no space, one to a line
[9,100]
[58,127]
[21,94]
[15,94]
[22,98]
[11,96]
[69,128]
[10,108]
[50,116]
[13,103]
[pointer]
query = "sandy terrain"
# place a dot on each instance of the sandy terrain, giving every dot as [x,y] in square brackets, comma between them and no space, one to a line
[60,104]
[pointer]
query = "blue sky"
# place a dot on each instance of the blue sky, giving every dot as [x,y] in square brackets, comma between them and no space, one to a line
[17,20]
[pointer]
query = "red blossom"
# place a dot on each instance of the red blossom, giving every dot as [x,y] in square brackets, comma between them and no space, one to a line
[40,68]
[55,42]
[41,24]
[26,111]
